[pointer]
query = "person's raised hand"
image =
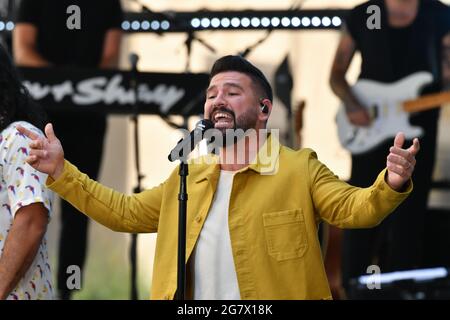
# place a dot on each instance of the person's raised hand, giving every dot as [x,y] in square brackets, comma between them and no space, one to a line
[400,162]
[46,153]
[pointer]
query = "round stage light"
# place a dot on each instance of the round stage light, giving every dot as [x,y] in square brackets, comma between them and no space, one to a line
[315,21]
[225,22]
[195,23]
[275,22]
[295,22]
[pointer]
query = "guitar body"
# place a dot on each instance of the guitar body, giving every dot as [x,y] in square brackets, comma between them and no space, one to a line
[385,105]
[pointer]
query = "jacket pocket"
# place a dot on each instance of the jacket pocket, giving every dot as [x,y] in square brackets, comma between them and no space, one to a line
[285,234]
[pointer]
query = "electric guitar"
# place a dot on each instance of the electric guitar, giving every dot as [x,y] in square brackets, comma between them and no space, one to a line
[389,106]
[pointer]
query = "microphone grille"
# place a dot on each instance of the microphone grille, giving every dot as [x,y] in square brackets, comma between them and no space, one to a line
[204,125]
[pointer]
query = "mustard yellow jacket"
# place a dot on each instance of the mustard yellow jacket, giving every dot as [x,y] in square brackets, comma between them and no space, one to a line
[273,219]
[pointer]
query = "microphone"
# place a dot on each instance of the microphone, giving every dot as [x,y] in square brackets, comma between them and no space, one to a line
[188,144]
[133,58]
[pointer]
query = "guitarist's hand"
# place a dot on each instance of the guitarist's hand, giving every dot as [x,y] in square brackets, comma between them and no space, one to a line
[400,162]
[358,116]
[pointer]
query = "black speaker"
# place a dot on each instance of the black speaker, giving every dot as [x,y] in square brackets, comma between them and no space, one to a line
[419,284]
[437,238]
[435,255]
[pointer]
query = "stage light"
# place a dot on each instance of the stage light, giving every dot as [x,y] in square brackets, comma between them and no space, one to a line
[295,22]
[9,25]
[255,22]
[315,21]
[245,22]
[155,25]
[306,21]
[225,22]
[275,21]
[215,22]
[135,25]
[265,22]
[195,23]
[336,21]
[416,275]
[326,22]
[126,25]
[235,22]
[145,25]
[165,25]
[285,22]
[205,22]
[247,19]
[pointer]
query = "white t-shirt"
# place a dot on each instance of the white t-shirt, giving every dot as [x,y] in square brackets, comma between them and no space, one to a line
[214,271]
[20,186]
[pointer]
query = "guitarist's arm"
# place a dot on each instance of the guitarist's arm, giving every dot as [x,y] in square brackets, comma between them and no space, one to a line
[357,114]
[446,61]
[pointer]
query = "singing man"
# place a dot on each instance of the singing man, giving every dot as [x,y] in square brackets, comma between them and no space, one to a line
[250,234]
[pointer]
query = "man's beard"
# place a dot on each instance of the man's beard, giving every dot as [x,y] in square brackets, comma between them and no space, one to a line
[244,122]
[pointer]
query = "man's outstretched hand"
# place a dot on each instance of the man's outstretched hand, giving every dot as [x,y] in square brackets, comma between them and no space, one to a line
[46,154]
[400,162]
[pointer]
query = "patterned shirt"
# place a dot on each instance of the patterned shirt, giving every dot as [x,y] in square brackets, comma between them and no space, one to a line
[20,186]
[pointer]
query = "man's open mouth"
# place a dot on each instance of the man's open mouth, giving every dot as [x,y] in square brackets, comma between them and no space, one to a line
[222,119]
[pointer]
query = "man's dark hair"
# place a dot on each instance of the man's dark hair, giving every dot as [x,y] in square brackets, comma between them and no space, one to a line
[239,64]
[15,102]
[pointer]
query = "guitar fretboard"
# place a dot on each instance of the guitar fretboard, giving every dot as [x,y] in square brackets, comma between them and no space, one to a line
[427,102]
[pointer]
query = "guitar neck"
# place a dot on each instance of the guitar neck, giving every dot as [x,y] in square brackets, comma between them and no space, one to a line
[426,102]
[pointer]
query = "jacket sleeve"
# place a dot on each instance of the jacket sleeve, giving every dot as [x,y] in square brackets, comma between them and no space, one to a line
[346,206]
[119,212]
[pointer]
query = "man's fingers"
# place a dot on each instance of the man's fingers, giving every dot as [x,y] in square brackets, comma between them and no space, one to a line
[414,149]
[32,160]
[49,132]
[399,140]
[400,170]
[37,144]
[400,161]
[402,153]
[30,134]
[39,154]
[359,117]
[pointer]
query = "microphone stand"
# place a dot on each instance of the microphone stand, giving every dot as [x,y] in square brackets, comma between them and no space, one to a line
[135,118]
[183,172]
[246,52]
[180,153]
[188,42]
